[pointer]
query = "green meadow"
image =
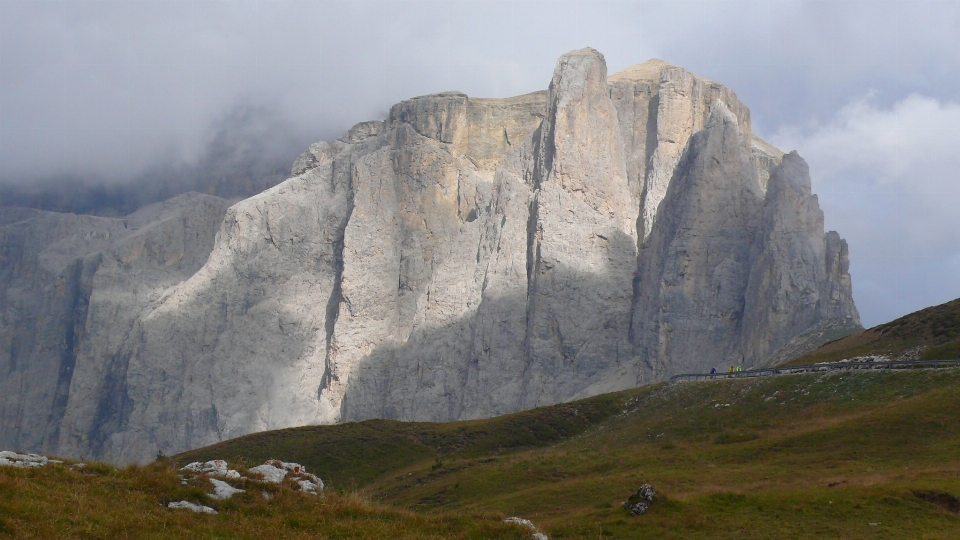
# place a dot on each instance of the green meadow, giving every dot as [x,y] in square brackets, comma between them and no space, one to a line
[819,455]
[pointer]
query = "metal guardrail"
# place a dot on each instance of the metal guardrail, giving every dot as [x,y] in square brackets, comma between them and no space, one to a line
[833,366]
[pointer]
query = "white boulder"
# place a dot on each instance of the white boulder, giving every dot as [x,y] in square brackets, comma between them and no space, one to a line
[270,473]
[223,490]
[216,467]
[200,509]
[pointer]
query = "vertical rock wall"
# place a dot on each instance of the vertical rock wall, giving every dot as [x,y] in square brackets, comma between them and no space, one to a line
[463,258]
[695,264]
[800,277]
[75,285]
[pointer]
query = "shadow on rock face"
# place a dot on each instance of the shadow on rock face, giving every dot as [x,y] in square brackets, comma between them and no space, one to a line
[509,354]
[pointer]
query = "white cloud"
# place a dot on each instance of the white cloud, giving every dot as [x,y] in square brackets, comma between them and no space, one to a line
[893,144]
[107,89]
[889,181]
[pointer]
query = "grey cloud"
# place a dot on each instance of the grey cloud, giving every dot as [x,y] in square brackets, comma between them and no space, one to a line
[794,62]
[112,91]
[250,149]
[887,178]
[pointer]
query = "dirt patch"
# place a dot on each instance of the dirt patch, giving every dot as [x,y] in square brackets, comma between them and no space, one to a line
[942,499]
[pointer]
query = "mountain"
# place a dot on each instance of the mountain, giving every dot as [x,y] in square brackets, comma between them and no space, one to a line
[464,258]
[74,286]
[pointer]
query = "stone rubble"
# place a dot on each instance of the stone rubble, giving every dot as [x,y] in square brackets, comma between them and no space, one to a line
[869,358]
[13,459]
[638,504]
[273,471]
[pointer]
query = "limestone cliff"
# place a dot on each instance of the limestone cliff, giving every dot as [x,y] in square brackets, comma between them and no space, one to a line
[463,258]
[71,290]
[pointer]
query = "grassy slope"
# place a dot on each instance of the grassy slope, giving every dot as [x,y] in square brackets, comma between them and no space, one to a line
[355,454]
[934,330]
[800,456]
[103,502]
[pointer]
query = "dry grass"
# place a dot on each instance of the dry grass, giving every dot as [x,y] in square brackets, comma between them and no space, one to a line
[103,502]
[840,455]
[825,457]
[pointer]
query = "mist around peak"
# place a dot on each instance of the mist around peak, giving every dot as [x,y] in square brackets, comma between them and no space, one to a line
[249,149]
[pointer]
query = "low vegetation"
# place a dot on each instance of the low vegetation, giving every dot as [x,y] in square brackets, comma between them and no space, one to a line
[798,456]
[820,455]
[355,454]
[100,501]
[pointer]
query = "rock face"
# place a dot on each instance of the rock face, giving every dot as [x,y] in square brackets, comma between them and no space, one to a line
[463,258]
[71,291]
[729,274]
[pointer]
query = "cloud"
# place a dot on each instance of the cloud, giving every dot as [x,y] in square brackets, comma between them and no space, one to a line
[114,90]
[888,178]
[106,88]
[250,149]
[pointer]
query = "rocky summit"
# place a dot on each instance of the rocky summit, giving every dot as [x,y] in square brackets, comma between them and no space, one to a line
[463,258]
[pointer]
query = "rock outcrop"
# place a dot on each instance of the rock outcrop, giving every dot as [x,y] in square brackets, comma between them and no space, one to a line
[463,258]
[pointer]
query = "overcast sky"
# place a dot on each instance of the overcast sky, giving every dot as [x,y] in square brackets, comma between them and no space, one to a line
[867,92]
